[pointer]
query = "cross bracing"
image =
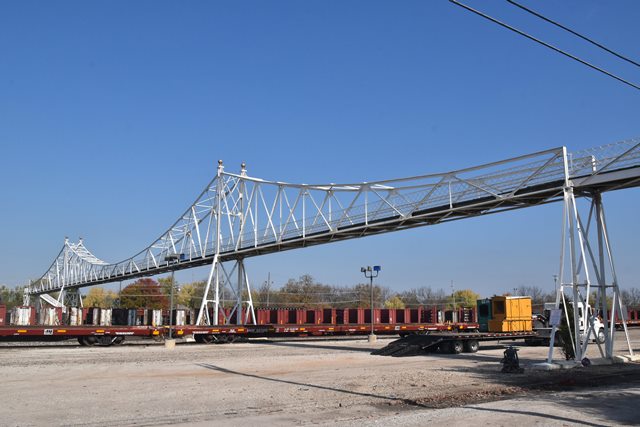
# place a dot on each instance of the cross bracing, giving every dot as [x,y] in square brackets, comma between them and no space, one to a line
[238,216]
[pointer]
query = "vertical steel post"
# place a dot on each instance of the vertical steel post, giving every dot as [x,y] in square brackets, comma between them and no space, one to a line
[370,273]
[171,305]
[372,314]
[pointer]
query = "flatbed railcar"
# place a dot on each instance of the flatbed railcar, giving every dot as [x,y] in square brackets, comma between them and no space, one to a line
[228,333]
[113,335]
[86,335]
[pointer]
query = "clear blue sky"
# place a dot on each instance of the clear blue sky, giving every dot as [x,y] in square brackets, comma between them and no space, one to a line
[114,114]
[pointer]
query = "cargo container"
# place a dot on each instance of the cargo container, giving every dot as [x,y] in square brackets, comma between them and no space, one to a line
[179,317]
[155,317]
[51,316]
[74,314]
[511,308]
[510,314]
[23,316]
[105,317]
[484,314]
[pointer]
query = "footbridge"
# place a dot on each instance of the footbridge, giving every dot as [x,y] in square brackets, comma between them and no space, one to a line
[238,216]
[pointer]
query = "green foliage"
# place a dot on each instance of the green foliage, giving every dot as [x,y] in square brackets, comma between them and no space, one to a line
[144,293]
[593,300]
[394,302]
[464,298]
[11,297]
[99,297]
[566,331]
[190,294]
[165,285]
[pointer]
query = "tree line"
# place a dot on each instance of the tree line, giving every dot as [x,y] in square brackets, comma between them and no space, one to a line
[303,292]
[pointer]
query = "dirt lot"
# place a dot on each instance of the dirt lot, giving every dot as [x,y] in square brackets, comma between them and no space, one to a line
[280,382]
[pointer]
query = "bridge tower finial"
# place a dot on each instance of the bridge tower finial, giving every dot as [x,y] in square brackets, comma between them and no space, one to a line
[220,167]
[243,169]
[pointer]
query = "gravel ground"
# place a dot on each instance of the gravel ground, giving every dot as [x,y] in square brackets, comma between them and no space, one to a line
[294,382]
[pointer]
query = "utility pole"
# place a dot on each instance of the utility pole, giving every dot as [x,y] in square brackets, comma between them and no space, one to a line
[370,273]
[453,295]
[168,259]
[268,287]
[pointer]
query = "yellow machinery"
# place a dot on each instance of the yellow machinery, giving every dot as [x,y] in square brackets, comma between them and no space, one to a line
[510,314]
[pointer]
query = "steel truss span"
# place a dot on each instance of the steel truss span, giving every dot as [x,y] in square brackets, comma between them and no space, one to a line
[238,216]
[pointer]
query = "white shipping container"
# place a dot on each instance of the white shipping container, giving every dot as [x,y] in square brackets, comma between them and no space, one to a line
[105,317]
[156,318]
[181,317]
[75,316]
[95,318]
[21,316]
[49,317]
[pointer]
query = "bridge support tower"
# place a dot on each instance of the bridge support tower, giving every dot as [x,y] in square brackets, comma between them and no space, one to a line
[582,258]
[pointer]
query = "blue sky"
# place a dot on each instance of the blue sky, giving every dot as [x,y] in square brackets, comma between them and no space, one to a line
[114,114]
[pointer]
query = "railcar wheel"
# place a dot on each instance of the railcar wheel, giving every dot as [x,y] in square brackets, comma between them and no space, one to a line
[207,339]
[471,346]
[87,341]
[118,341]
[456,347]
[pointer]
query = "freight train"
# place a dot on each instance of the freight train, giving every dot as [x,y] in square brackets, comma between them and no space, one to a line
[455,330]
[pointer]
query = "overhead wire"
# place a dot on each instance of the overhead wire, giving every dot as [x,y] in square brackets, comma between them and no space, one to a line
[554,48]
[575,33]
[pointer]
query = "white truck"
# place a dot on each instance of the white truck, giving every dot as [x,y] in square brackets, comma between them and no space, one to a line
[541,324]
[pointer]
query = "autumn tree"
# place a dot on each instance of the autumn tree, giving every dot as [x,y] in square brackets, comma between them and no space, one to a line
[363,294]
[465,298]
[304,292]
[394,302]
[630,297]
[100,297]
[144,293]
[190,294]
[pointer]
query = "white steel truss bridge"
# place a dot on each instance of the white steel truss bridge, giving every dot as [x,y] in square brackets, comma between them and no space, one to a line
[237,216]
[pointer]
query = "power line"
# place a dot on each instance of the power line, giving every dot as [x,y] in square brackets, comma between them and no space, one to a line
[522,33]
[557,24]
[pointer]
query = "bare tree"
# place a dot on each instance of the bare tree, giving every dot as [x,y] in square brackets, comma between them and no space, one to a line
[630,297]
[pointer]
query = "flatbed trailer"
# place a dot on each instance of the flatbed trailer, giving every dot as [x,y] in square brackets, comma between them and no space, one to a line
[229,333]
[453,342]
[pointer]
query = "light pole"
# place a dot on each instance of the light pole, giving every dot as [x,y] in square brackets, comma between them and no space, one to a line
[555,283]
[168,259]
[453,296]
[370,273]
